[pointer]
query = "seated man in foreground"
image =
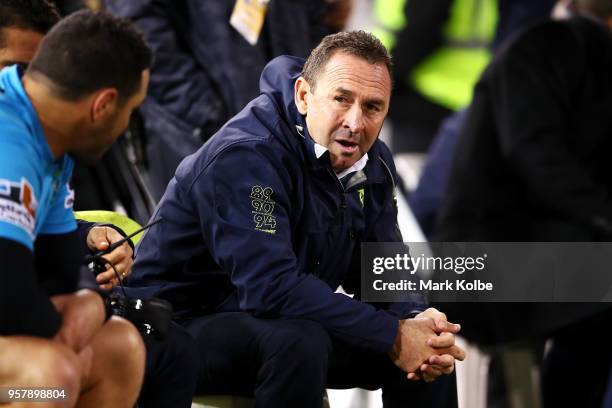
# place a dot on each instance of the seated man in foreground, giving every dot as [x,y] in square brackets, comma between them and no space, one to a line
[74,100]
[22,27]
[264,222]
[170,369]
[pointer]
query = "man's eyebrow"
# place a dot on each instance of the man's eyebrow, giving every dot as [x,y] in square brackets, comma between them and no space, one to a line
[376,101]
[343,91]
[348,92]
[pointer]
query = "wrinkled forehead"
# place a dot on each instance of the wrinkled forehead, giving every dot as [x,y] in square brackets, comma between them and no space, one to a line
[357,75]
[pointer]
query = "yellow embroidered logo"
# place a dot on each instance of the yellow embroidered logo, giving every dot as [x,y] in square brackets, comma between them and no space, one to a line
[361,195]
[263,207]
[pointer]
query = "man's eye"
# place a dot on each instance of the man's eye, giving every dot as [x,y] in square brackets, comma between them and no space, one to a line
[373,108]
[341,99]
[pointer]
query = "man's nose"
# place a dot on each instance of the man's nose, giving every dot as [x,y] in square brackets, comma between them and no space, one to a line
[353,119]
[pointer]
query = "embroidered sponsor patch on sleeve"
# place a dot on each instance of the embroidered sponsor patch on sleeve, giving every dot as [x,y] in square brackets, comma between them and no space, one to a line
[18,204]
[263,209]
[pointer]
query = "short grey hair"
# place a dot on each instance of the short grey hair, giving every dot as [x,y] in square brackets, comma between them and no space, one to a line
[358,43]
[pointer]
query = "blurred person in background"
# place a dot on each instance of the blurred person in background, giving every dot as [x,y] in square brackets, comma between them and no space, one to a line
[440,48]
[22,26]
[425,201]
[532,164]
[205,70]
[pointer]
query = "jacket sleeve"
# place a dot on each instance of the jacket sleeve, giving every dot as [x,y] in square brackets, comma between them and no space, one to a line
[179,84]
[532,90]
[244,203]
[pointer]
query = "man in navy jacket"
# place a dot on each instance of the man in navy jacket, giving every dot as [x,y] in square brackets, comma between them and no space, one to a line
[263,223]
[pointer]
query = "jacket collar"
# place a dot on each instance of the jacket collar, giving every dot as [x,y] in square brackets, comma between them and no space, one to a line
[314,161]
[376,169]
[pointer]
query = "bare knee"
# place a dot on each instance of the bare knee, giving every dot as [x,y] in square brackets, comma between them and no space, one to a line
[36,362]
[122,347]
[60,364]
[123,340]
[117,367]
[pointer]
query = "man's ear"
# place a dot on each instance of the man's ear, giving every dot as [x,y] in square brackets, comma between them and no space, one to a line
[301,94]
[104,103]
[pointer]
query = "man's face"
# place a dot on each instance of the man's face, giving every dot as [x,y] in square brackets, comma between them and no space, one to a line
[20,46]
[109,127]
[347,108]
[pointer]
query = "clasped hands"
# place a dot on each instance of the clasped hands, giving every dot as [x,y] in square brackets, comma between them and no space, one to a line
[425,347]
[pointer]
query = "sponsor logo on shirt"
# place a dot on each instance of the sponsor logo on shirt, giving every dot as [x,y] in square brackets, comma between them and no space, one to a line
[263,209]
[18,204]
[69,200]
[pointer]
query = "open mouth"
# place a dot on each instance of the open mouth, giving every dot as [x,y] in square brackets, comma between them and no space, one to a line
[347,146]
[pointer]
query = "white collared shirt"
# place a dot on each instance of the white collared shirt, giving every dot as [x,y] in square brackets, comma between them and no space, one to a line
[359,165]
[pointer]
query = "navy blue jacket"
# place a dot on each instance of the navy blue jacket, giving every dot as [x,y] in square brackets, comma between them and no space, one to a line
[254,222]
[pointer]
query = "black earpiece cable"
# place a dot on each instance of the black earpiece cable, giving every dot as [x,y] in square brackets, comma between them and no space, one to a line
[114,245]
